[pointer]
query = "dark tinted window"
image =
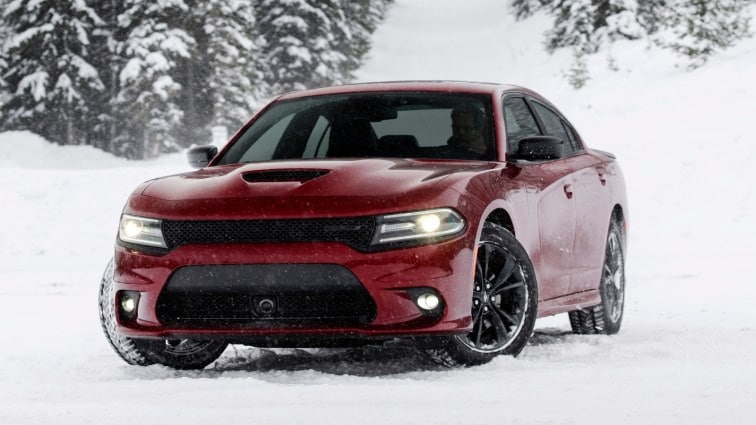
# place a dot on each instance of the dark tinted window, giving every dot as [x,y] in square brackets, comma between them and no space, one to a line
[404,124]
[551,121]
[519,121]
[574,143]
[556,127]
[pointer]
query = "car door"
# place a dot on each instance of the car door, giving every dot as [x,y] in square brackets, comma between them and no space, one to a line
[552,197]
[590,198]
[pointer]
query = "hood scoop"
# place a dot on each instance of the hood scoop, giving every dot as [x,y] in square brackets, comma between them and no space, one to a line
[275,176]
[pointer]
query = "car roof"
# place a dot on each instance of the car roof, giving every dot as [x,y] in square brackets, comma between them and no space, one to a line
[394,86]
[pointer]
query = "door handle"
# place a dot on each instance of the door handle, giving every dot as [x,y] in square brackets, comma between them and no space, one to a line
[568,191]
[602,178]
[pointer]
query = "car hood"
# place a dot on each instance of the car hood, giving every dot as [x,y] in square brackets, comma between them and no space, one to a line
[306,188]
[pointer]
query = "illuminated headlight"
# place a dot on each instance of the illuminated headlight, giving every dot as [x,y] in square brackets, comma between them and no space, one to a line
[141,231]
[418,226]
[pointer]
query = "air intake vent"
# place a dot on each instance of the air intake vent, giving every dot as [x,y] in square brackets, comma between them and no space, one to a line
[283,175]
[299,294]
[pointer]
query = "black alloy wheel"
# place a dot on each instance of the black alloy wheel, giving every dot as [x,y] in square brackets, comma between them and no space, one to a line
[504,302]
[500,299]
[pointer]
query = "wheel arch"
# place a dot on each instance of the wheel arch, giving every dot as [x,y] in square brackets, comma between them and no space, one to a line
[618,215]
[501,217]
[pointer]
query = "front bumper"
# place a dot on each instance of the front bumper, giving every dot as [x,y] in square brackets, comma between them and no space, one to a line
[214,291]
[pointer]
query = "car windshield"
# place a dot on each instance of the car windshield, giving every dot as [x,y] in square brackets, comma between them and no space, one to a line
[372,125]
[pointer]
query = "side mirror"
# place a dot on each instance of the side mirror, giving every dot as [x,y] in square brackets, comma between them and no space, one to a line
[200,156]
[539,148]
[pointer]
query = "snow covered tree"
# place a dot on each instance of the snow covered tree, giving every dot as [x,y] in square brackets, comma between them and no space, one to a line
[223,78]
[311,43]
[697,29]
[578,74]
[47,71]
[107,61]
[234,55]
[362,18]
[301,48]
[139,78]
[3,62]
[693,28]
[587,25]
[146,106]
[526,8]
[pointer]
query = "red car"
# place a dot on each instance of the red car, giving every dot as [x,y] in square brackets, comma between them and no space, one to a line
[451,214]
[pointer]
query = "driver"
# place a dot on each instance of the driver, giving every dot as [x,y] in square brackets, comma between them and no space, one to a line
[467,130]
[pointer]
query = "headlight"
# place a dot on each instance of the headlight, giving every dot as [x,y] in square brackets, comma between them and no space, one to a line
[418,226]
[141,231]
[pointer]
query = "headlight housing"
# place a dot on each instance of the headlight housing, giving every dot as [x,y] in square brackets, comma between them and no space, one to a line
[418,227]
[141,231]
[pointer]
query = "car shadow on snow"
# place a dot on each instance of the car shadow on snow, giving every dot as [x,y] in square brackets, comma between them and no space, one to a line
[548,336]
[392,358]
[388,359]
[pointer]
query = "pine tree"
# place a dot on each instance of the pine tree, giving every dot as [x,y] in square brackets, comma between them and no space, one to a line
[224,76]
[587,25]
[574,27]
[697,29]
[578,75]
[108,62]
[140,78]
[362,18]
[4,95]
[147,102]
[526,8]
[301,48]
[47,72]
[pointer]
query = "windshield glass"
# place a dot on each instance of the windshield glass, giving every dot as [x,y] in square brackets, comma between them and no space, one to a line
[370,125]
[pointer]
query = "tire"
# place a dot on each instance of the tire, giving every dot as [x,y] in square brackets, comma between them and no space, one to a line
[606,317]
[178,354]
[505,303]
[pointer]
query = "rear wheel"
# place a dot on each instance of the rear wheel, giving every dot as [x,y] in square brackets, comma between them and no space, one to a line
[178,354]
[606,318]
[504,303]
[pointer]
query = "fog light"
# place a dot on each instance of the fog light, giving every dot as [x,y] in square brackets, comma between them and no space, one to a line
[428,301]
[128,304]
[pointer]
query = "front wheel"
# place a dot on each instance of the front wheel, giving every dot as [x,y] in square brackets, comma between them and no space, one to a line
[504,303]
[178,354]
[606,317]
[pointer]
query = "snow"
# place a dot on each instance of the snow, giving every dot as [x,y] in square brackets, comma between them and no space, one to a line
[685,354]
[36,83]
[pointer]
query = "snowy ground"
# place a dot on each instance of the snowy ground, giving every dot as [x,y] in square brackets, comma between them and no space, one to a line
[686,354]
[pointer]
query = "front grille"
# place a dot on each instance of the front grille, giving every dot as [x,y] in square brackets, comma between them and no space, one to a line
[230,295]
[353,231]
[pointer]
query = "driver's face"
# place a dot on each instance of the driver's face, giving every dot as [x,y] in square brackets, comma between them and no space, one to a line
[463,128]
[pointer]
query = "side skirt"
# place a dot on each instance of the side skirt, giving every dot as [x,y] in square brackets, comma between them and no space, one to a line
[569,303]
